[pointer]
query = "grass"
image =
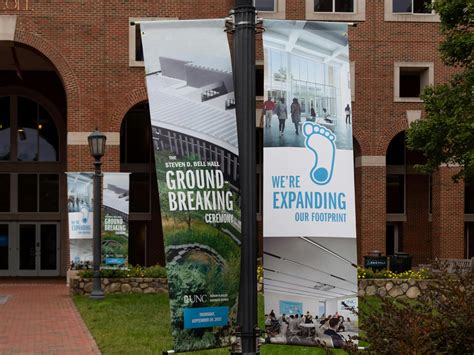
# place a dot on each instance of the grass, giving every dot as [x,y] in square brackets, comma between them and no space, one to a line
[140,324]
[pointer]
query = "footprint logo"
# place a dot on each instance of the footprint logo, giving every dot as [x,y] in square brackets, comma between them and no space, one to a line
[85,214]
[321,141]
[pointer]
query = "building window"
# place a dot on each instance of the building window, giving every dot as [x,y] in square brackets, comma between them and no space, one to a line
[334,6]
[138,44]
[395,193]
[409,11]
[335,10]
[396,175]
[5,192]
[137,158]
[140,193]
[5,148]
[411,6]
[266,5]
[36,138]
[259,72]
[135,48]
[38,193]
[430,194]
[469,197]
[135,45]
[411,79]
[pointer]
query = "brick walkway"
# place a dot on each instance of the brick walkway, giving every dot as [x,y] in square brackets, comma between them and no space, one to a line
[39,317]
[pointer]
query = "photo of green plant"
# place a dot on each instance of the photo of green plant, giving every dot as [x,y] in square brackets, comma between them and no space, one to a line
[203,258]
[115,229]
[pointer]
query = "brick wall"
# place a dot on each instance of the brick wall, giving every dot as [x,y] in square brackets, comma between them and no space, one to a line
[87,41]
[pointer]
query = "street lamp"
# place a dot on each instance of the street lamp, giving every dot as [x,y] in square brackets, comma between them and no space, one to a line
[97,149]
[244,16]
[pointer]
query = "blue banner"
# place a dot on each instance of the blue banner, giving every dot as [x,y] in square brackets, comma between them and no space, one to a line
[205,317]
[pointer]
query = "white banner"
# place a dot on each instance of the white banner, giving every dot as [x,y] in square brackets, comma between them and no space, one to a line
[308,159]
[309,221]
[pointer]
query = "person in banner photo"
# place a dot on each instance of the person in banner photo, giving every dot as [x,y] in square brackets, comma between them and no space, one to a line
[348,114]
[268,108]
[281,112]
[296,115]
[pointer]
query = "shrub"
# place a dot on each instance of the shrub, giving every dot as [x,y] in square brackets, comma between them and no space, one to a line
[440,320]
[156,271]
[363,273]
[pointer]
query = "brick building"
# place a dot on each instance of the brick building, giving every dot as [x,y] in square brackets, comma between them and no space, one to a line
[67,67]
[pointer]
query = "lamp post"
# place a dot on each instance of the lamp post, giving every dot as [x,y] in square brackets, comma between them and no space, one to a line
[244,79]
[97,149]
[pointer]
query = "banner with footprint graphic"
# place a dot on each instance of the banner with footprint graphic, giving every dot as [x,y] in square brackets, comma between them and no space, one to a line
[309,201]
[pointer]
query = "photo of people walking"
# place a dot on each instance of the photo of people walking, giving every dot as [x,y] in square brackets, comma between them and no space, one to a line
[310,87]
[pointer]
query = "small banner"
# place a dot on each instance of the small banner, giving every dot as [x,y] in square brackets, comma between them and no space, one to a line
[192,105]
[80,188]
[115,200]
[310,277]
[115,208]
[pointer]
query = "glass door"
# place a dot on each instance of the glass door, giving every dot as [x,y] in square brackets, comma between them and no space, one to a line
[48,250]
[38,249]
[5,250]
[27,250]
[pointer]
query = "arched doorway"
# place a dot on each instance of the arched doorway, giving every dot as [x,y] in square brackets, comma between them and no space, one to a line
[408,202]
[33,240]
[136,157]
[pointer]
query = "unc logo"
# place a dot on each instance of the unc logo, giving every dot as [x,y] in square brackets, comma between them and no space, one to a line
[320,141]
[195,299]
[85,214]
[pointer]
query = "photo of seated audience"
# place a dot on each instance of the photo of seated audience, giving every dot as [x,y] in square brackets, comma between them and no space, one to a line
[310,289]
[332,330]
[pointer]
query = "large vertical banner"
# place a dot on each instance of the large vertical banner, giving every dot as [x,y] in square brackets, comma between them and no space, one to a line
[309,209]
[115,211]
[192,105]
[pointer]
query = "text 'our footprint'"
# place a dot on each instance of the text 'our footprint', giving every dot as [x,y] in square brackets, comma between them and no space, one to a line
[321,141]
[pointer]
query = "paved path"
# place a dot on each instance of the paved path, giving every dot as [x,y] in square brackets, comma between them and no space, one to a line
[39,317]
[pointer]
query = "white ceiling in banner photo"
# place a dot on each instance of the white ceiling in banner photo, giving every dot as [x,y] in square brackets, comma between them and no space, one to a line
[318,268]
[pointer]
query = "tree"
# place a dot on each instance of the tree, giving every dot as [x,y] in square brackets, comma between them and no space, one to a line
[446,136]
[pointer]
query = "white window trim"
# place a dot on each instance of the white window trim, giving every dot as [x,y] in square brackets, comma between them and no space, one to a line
[396,79]
[279,13]
[352,78]
[357,15]
[132,62]
[391,16]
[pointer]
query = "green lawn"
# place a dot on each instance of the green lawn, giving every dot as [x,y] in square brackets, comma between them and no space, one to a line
[139,324]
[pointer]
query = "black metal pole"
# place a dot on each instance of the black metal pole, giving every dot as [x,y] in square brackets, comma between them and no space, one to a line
[97,292]
[244,74]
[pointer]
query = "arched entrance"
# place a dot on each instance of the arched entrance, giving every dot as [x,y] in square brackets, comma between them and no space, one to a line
[408,202]
[136,157]
[33,240]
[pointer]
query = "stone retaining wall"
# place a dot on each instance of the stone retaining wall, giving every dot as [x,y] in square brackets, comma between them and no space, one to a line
[392,287]
[126,285]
